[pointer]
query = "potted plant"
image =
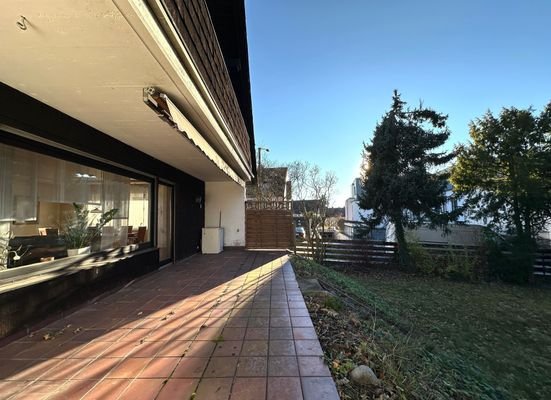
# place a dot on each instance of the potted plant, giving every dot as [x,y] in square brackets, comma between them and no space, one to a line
[6,251]
[79,233]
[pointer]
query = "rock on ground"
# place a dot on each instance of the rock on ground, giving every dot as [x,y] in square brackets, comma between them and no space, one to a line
[363,375]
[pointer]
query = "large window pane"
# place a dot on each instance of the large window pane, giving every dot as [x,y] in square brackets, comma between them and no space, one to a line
[39,199]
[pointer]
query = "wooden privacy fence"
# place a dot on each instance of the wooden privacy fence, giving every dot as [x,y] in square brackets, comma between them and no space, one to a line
[365,252]
[542,263]
[444,248]
[269,225]
[542,257]
[353,251]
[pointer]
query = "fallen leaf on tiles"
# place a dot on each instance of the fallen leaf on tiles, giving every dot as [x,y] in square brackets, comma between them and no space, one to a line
[48,336]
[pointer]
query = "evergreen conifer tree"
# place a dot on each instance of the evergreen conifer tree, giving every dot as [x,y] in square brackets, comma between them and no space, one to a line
[402,182]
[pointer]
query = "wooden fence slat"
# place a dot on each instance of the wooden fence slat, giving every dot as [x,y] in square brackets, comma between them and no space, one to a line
[375,252]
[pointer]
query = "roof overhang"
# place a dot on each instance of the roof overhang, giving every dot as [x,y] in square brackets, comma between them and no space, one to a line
[91,60]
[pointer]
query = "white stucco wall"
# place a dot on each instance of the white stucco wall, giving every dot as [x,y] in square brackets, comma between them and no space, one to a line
[228,198]
[352,210]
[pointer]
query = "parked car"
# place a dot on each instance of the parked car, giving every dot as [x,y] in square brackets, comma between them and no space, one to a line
[300,232]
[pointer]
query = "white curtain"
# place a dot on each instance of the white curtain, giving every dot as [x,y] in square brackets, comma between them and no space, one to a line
[116,194]
[18,185]
[27,177]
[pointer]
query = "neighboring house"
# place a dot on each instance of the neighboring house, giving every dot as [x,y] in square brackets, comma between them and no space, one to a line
[272,184]
[143,106]
[466,231]
[351,208]
[353,216]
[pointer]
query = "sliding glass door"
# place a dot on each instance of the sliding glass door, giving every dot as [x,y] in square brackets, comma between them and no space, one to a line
[165,219]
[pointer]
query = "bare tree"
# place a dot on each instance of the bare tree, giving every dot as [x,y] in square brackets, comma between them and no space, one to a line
[313,190]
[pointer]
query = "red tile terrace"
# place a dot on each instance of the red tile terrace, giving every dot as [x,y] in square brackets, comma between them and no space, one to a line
[229,326]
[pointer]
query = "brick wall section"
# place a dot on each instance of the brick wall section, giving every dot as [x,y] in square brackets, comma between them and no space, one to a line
[192,21]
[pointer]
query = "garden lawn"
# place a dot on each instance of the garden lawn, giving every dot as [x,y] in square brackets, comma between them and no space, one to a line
[433,338]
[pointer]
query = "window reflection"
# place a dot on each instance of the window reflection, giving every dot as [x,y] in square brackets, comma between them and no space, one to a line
[38,196]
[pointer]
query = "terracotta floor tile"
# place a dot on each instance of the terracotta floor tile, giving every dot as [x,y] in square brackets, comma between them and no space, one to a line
[313,366]
[246,324]
[261,304]
[110,323]
[214,389]
[170,323]
[281,333]
[249,389]
[135,335]
[9,388]
[236,322]
[234,333]
[221,367]
[256,334]
[35,350]
[297,304]
[254,348]
[159,335]
[185,333]
[240,313]
[66,369]
[37,390]
[252,366]
[178,389]
[160,367]
[284,388]
[299,312]
[220,312]
[209,334]
[97,369]
[88,335]
[13,349]
[129,368]
[199,322]
[64,350]
[228,348]
[319,389]
[258,322]
[308,348]
[279,305]
[146,349]
[74,389]
[201,348]
[303,322]
[175,348]
[282,348]
[214,322]
[280,322]
[107,389]
[33,370]
[142,389]
[119,349]
[280,312]
[282,366]
[91,350]
[304,333]
[260,312]
[190,367]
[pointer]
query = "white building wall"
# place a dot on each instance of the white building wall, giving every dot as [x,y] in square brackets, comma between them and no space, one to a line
[227,198]
[351,210]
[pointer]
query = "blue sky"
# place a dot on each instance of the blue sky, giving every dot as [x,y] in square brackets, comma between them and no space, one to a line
[323,72]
